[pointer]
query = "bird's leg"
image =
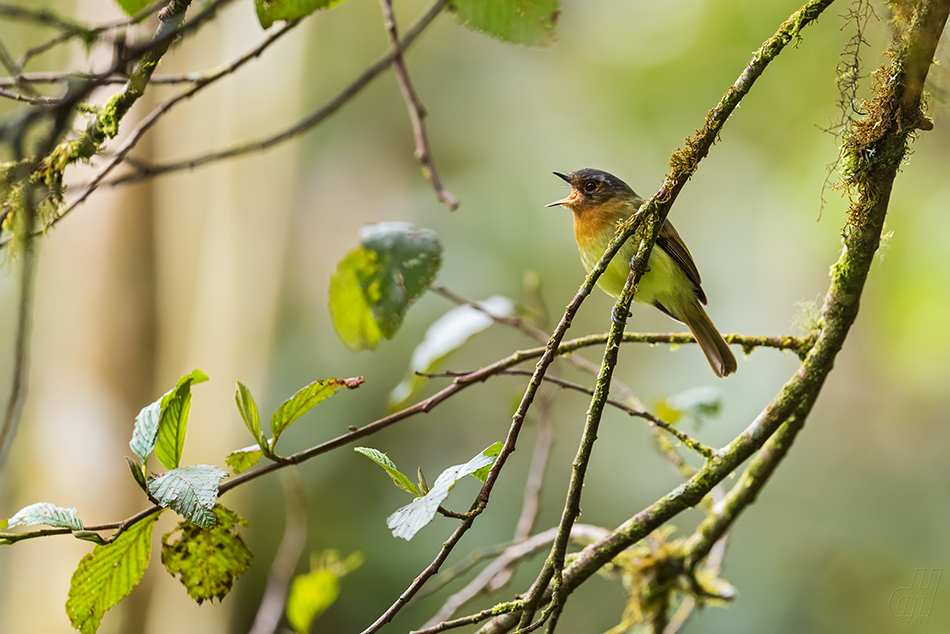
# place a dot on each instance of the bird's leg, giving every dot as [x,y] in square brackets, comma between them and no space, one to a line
[613,315]
[633,263]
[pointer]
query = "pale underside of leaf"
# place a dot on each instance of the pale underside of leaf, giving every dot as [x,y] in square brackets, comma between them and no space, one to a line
[408,520]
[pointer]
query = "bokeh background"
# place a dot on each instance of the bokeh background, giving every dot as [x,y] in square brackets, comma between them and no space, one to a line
[226,268]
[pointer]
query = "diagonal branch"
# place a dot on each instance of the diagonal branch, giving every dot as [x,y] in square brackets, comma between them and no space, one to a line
[417,113]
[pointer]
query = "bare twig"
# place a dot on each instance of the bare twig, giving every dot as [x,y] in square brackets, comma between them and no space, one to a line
[31,99]
[698,447]
[56,77]
[151,170]
[153,117]
[583,533]
[417,113]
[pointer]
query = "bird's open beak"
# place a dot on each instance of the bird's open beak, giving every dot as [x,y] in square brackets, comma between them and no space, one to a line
[563,201]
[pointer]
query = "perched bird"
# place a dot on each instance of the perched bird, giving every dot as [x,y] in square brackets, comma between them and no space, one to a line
[599,201]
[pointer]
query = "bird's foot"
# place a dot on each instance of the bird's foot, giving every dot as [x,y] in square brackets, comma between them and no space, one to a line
[633,263]
[614,318]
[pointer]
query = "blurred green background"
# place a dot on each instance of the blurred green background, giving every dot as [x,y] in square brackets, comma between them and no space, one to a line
[226,268]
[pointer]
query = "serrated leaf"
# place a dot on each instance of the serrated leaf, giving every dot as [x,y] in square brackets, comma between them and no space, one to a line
[108,574]
[407,521]
[242,459]
[305,399]
[145,431]
[374,285]
[447,334]
[46,513]
[311,594]
[207,560]
[402,481]
[247,408]
[131,7]
[173,424]
[189,491]
[269,11]
[531,22]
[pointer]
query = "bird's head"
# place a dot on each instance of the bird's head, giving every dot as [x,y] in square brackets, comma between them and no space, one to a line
[592,189]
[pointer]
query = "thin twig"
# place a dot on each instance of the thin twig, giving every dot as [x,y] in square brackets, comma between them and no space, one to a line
[421,407]
[582,533]
[145,124]
[698,447]
[417,112]
[145,170]
[30,99]
[56,77]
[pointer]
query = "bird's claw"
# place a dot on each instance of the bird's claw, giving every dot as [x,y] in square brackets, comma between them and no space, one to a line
[633,263]
[614,318]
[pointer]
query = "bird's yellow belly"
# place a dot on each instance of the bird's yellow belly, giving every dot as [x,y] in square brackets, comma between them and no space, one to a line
[665,283]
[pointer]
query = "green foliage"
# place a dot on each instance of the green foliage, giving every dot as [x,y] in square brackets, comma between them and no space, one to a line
[132,7]
[305,399]
[269,11]
[531,22]
[698,404]
[374,285]
[311,594]
[162,425]
[493,451]
[189,491]
[108,574]
[174,420]
[249,414]
[241,459]
[402,480]
[407,521]
[44,513]
[208,560]
[446,335]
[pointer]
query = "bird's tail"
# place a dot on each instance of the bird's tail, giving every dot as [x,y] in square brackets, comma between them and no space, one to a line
[717,352]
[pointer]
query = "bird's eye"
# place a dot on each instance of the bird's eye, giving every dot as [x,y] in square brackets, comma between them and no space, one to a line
[590,186]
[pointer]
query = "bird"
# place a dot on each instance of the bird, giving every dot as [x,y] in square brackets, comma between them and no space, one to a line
[671,283]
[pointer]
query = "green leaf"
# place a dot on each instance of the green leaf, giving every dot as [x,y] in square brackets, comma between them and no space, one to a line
[131,7]
[494,450]
[374,285]
[407,521]
[699,404]
[45,513]
[248,410]
[138,473]
[311,594]
[242,459]
[174,420]
[108,574]
[529,22]
[145,431]
[306,398]
[447,334]
[208,560]
[269,11]
[189,491]
[402,481]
